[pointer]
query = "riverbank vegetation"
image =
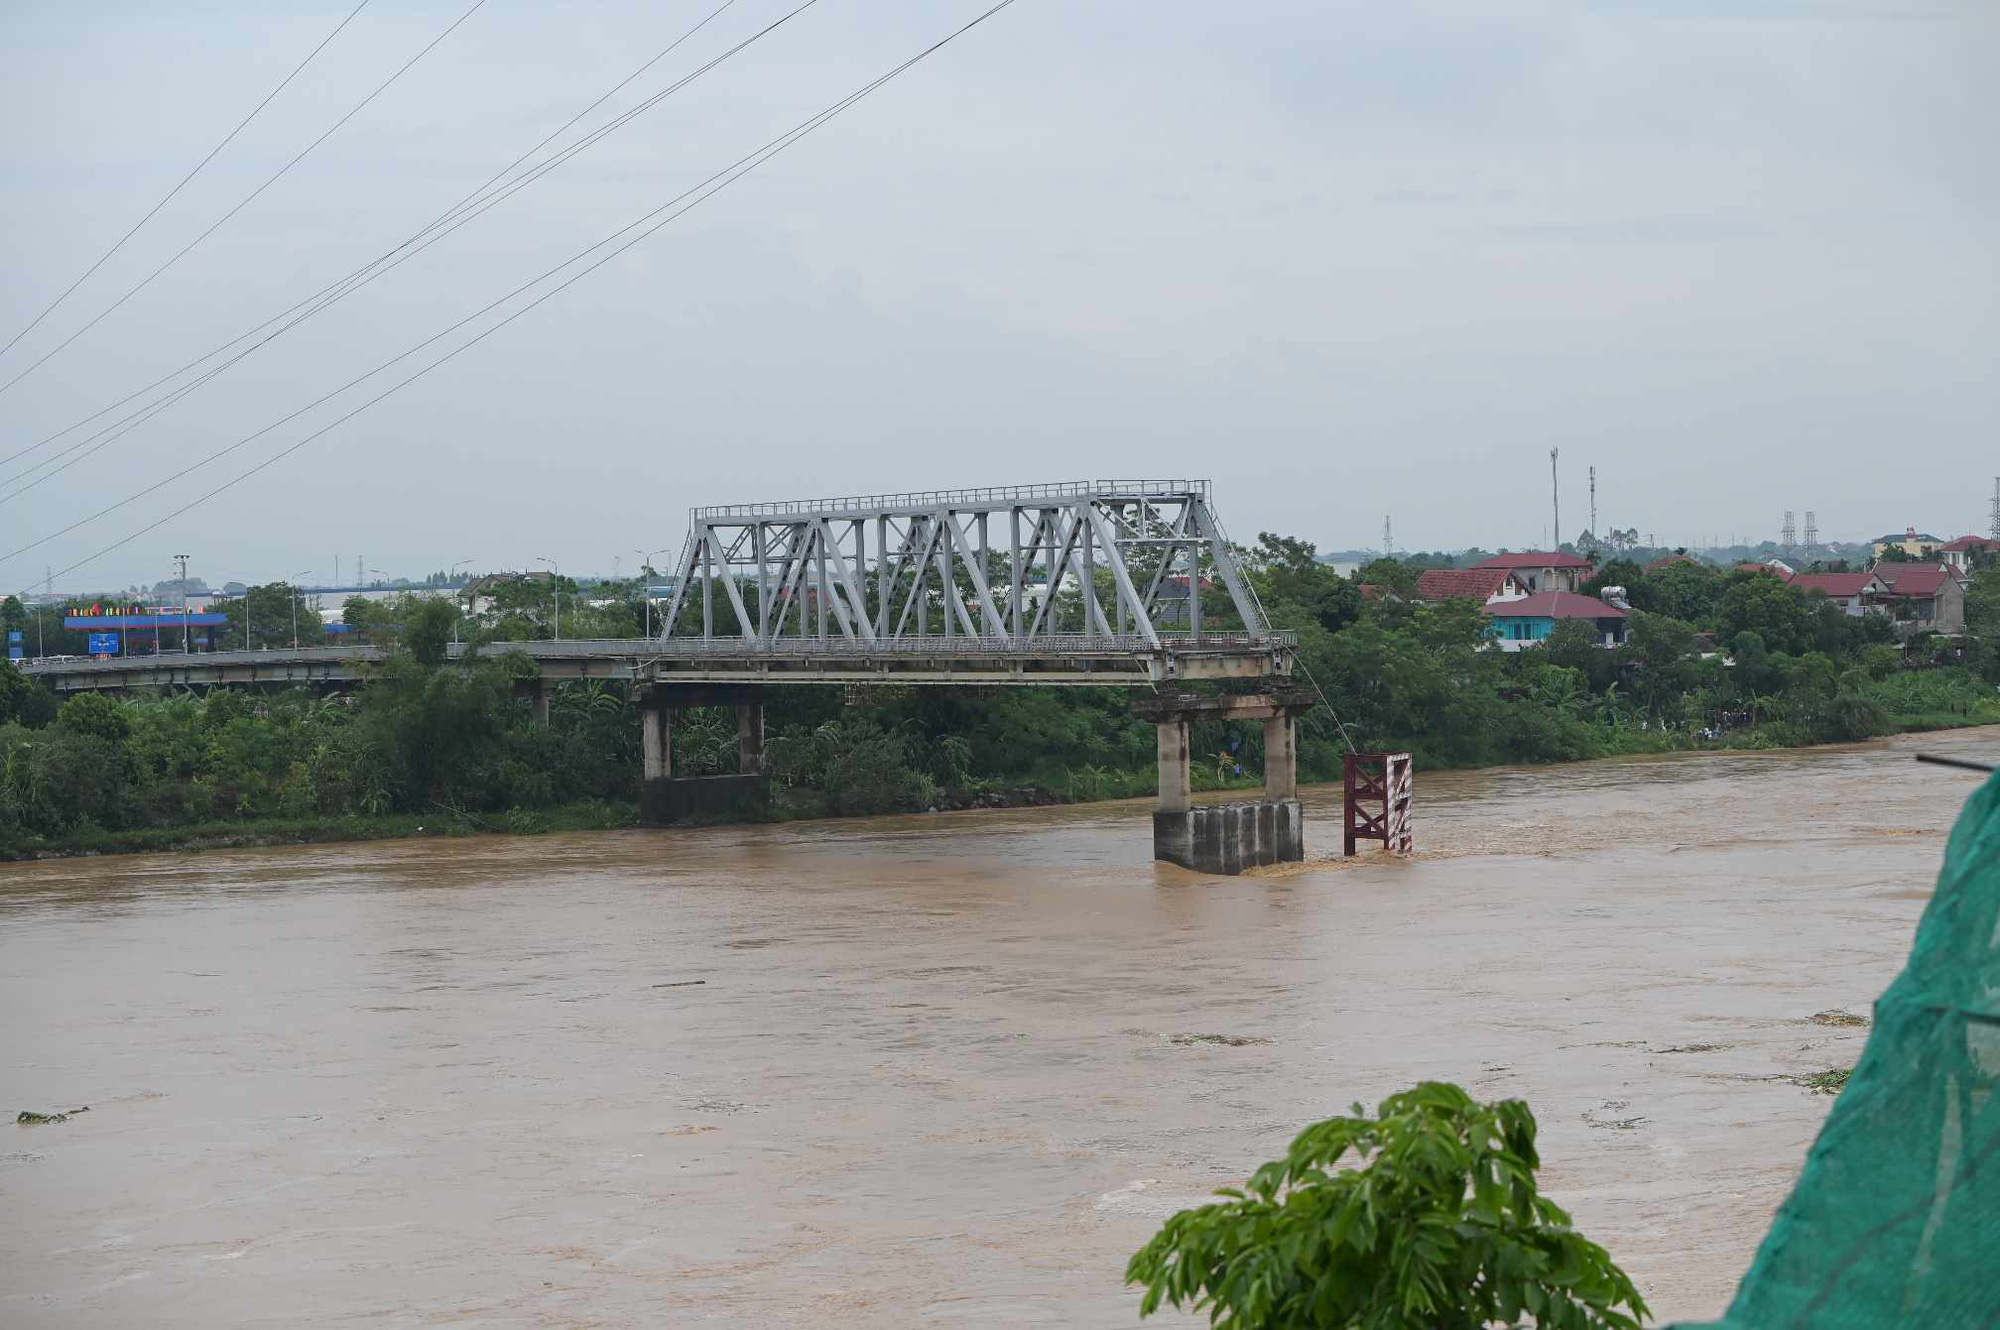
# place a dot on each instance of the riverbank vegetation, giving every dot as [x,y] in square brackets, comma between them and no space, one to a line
[1713,659]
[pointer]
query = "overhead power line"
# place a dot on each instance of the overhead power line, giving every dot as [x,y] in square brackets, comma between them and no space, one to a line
[169,197]
[147,280]
[465,210]
[632,233]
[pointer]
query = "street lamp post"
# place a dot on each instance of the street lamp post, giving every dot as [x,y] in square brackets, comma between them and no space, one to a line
[645,587]
[292,582]
[453,577]
[558,586]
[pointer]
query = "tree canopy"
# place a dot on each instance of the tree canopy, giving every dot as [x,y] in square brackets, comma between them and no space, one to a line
[1436,1225]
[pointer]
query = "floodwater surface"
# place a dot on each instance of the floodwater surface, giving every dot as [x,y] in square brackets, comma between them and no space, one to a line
[936,1070]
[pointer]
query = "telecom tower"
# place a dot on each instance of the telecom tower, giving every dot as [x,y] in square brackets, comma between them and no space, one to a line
[1788,537]
[1812,531]
[1388,545]
[1996,508]
[1593,501]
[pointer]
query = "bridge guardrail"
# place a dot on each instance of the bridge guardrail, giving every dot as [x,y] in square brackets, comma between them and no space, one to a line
[1061,644]
[1074,489]
[738,648]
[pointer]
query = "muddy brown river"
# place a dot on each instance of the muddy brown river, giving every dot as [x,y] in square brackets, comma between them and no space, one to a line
[934,1070]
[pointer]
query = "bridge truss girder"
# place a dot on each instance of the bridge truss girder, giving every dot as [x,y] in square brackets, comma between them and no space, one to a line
[989,565]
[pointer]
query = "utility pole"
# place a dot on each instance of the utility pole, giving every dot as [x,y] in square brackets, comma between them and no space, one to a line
[1812,532]
[1788,535]
[1555,503]
[1595,533]
[185,636]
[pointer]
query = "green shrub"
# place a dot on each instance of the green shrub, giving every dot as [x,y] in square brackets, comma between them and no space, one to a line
[1439,1226]
[525,822]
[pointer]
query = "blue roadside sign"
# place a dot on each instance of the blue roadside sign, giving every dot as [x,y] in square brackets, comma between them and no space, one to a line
[104,644]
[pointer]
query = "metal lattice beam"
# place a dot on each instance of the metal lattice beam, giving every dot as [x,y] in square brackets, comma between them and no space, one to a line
[1069,560]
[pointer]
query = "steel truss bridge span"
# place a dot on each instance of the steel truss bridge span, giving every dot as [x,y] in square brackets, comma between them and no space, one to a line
[1080,584]
[1114,561]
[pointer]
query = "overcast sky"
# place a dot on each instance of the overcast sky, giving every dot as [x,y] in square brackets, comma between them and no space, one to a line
[1347,260]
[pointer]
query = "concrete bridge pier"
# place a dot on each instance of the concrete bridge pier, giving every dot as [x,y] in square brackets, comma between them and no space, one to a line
[750,737]
[665,798]
[657,739]
[537,691]
[1228,838]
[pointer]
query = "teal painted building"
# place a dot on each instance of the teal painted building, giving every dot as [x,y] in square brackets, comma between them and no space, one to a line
[1530,619]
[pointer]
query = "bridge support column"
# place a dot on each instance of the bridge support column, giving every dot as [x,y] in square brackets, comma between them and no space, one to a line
[540,697]
[1281,756]
[750,736]
[1228,838]
[1176,774]
[658,741]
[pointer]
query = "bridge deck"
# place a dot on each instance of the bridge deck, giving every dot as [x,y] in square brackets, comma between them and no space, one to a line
[1063,660]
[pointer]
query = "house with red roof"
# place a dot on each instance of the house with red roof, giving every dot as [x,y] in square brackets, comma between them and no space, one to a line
[1960,553]
[1669,560]
[1544,570]
[1920,597]
[1775,567]
[1522,623]
[1482,584]
[1850,591]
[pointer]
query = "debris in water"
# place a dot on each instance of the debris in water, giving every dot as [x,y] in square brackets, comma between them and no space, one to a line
[1611,1124]
[1830,1081]
[1695,1048]
[1227,1040]
[1837,1017]
[28,1117]
[684,983]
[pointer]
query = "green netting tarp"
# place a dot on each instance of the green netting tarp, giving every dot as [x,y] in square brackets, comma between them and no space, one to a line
[1896,1219]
